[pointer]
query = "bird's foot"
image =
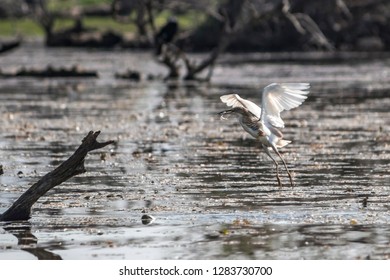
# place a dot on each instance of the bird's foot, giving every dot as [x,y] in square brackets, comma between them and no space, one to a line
[279,181]
[291,180]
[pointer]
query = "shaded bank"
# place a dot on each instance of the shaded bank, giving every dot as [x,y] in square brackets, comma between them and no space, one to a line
[281,25]
[308,25]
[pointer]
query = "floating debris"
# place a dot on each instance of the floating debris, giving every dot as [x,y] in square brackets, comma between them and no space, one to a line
[147,219]
[1,170]
[364,201]
[129,75]
[224,231]
[243,222]
[212,236]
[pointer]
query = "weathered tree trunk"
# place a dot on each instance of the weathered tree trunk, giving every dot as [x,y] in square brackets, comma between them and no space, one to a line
[21,209]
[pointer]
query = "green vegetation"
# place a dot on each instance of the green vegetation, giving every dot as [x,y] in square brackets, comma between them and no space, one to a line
[99,23]
[28,27]
[108,23]
[186,21]
[60,5]
[23,27]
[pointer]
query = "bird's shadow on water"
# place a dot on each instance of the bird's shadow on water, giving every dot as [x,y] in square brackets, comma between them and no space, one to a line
[27,241]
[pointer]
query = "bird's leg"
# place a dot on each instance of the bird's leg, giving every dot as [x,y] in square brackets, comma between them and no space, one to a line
[276,164]
[285,165]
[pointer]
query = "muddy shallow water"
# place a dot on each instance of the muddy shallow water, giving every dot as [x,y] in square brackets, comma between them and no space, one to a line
[212,191]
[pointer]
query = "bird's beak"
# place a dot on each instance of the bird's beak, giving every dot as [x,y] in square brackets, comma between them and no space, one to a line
[223,113]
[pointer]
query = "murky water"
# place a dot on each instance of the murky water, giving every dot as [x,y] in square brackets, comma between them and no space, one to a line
[212,191]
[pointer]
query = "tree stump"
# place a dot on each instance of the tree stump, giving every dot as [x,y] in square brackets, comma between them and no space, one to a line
[21,209]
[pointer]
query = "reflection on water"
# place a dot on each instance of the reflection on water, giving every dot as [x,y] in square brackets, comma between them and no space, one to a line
[236,240]
[27,241]
[211,189]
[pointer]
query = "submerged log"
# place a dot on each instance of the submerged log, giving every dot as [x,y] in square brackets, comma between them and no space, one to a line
[89,39]
[51,72]
[7,46]
[21,209]
[129,75]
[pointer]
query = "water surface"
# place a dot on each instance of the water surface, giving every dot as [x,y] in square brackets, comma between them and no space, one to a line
[212,191]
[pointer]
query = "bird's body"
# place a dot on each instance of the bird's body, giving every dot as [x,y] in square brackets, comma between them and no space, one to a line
[264,123]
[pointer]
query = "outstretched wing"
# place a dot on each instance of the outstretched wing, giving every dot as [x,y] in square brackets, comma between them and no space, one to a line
[234,100]
[279,97]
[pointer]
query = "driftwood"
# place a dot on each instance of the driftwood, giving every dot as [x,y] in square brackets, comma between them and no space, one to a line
[21,209]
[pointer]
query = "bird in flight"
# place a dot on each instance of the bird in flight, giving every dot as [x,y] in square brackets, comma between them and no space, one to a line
[264,123]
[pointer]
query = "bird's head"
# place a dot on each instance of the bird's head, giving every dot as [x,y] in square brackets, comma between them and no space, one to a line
[236,111]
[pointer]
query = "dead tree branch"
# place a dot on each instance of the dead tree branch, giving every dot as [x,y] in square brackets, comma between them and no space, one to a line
[231,16]
[193,69]
[304,24]
[172,56]
[21,209]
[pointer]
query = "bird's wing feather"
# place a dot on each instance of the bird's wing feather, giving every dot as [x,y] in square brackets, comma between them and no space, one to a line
[279,97]
[234,100]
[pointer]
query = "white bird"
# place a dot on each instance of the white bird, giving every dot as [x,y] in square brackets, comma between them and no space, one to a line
[264,122]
